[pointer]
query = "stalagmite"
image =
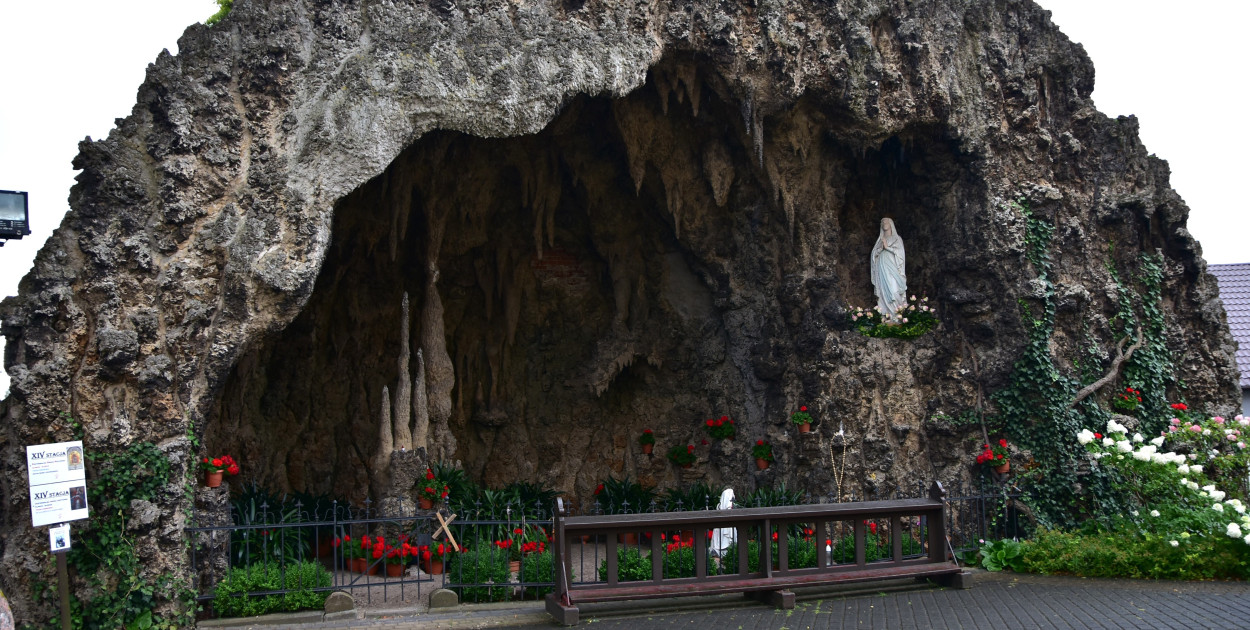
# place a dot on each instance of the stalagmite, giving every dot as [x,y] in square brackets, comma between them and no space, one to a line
[386,444]
[420,407]
[403,393]
[440,375]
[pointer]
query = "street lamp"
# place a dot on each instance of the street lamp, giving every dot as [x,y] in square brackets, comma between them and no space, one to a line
[14,215]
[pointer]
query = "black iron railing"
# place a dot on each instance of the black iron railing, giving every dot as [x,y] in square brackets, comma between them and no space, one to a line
[507,550]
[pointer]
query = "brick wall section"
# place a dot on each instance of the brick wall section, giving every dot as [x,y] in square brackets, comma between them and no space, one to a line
[562,267]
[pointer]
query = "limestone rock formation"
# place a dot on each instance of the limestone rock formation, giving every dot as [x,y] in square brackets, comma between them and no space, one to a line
[609,216]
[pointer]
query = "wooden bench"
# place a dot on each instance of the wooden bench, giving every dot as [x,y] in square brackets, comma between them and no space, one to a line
[768,583]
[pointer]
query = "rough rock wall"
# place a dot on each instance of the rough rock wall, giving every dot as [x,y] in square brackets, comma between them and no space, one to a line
[235,257]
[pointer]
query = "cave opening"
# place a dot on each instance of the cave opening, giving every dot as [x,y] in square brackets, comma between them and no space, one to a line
[533,303]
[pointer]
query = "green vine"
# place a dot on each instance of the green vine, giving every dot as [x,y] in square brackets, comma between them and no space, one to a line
[106,557]
[1036,405]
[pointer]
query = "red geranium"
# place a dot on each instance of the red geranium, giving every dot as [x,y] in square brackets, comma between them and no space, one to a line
[222,464]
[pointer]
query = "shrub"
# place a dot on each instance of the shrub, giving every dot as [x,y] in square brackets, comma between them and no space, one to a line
[539,567]
[877,546]
[801,554]
[231,597]
[679,561]
[631,566]
[484,568]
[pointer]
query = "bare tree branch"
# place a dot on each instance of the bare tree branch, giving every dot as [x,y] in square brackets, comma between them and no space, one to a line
[1120,357]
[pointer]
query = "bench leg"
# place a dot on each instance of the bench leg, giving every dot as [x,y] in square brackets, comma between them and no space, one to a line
[564,615]
[961,580]
[778,599]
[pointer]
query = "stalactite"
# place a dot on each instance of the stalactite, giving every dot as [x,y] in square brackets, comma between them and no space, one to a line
[719,171]
[403,393]
[420,407]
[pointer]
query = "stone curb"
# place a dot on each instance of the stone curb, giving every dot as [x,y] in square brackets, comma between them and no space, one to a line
[275,619]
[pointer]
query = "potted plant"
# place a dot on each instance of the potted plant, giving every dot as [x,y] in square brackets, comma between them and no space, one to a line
[721,428]
[360,553]
[682,455]
[1127,401]
[434,491]
[646,441]
[214,467]
[763,453]
[395,558]
[432,558]
[997,457]
[803,419]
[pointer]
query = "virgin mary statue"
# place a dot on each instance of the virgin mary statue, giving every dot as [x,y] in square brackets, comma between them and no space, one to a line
[889,271]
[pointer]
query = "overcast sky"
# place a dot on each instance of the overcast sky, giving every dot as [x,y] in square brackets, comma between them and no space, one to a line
[72,67]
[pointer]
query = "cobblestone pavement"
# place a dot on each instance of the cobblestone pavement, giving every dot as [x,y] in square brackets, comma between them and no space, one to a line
[995,601]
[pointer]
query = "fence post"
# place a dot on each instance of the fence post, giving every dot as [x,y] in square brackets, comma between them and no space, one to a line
[937,524]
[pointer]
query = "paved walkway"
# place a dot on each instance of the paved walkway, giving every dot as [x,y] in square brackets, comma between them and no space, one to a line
[997,600]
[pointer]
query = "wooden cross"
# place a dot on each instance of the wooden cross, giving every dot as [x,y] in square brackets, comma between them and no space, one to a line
[443,528]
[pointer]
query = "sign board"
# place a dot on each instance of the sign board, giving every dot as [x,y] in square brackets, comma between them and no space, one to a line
[58,482]
[58,538]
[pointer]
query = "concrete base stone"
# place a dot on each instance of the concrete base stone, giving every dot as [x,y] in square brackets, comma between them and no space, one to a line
[443,598]
[339,601]
[342,615]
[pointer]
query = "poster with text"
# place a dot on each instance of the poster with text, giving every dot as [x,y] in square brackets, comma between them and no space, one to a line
[58,488]
[52,463]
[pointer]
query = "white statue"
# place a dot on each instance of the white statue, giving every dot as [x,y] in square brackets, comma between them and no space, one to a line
[889,271]
[723,538]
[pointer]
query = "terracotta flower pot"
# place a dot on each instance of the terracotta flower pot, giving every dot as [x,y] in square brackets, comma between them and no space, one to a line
[357,565]
[395,570]
[1004,468]
[514,566]
[434,567]
[806,427]
[627,539]
[585,539]
[646,448]
[323,547]
[425,504]
[212,479]
[761,463]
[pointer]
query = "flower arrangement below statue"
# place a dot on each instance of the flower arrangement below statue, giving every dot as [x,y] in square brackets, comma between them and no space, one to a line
[911,321]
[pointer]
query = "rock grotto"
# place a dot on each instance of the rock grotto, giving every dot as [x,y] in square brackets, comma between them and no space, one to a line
[523,232]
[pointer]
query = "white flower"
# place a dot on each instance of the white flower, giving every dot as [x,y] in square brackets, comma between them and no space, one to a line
[1220,508]
[1085,436]
[1174,543]
[1138,438]
[1246,539]
[1141,456]
[1183,469]
[1108,442]
[1154,513]
[1206,431]
[1196,468]
[1184,534]
[1124,446]
[1218,495]
[1134,512]
[1193,456]
[1241,509]
[1233,531]
[1157,441]
[1116,427]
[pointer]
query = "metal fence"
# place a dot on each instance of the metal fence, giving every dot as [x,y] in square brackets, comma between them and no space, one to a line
[505,546]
